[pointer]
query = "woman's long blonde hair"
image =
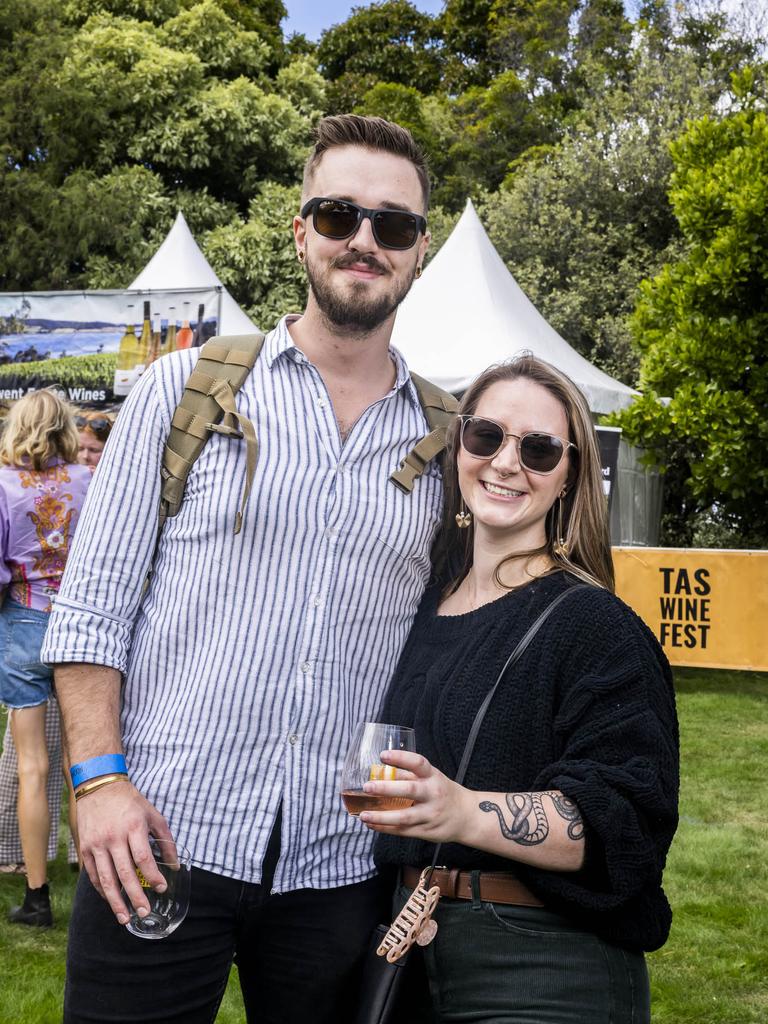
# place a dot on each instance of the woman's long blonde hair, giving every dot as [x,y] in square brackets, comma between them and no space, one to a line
[584,507]
[39,428]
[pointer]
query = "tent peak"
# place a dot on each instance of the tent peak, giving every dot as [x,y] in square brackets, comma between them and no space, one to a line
[179,263]
[467,312]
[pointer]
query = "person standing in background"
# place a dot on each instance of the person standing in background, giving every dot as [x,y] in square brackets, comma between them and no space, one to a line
[93,430]
[42,489]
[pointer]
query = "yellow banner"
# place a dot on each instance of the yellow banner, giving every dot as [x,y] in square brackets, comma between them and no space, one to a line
[707,608]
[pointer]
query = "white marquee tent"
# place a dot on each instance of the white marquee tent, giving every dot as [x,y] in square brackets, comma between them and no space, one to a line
[179,264]
[467,312]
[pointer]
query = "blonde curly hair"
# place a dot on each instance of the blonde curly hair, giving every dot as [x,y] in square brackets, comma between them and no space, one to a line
[39,427]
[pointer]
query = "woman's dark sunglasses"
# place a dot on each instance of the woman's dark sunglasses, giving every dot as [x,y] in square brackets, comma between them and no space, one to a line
[538,453]
[96,424]
[338,219]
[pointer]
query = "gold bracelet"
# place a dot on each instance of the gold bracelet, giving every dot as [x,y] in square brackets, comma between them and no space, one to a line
[103,780]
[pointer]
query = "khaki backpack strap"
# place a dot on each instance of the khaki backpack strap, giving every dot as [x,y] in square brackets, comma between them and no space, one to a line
[208,406]
[439,409]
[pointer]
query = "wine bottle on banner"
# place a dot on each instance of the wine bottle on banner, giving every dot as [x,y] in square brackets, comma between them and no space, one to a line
[144,342]
[154,347]
[199,338]
[170,335]
[184,336]
[127,356]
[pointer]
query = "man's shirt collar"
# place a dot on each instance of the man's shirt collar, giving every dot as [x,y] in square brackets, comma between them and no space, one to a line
[280,343]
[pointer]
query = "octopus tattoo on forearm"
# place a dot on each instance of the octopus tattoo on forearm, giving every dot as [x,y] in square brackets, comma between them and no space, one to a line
[530,825]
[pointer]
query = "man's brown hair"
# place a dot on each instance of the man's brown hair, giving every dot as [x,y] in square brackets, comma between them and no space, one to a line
[373,133]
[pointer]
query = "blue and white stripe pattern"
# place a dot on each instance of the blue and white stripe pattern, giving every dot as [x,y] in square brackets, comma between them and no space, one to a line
[252,657]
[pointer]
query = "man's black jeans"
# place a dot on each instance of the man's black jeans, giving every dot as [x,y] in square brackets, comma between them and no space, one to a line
[299,954]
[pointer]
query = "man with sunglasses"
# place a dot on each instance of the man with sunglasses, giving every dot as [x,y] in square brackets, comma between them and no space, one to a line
[250,658]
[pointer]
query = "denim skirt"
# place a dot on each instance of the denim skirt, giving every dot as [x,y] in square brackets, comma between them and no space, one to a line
[491,963]
[24,681]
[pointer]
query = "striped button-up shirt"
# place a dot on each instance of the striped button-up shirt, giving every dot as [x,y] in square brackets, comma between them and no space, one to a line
[251,658]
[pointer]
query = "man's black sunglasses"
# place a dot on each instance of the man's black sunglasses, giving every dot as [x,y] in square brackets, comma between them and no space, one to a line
[337,219]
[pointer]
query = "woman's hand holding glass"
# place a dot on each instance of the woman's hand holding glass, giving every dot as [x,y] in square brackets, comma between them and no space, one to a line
[440,810]
[363,762]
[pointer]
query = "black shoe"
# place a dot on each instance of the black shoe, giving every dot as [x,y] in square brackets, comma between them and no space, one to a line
[35,910]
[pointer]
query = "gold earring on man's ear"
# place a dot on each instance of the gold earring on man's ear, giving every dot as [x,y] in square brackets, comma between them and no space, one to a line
[300,255]
[418,273]
[464,517]
[561,545]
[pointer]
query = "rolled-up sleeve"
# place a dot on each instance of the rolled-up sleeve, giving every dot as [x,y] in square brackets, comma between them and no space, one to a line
[92,617]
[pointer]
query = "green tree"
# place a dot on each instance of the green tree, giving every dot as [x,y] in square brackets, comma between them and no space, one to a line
[582,222]
[519,70]
[260,16]
[464,29]
[256,258]
[400,103]
[109,123]
[390,41]
[702,327]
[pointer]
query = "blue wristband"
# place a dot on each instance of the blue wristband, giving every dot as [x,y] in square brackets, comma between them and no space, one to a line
[106,764]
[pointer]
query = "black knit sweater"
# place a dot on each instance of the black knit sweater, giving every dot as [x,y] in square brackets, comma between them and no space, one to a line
[589,709]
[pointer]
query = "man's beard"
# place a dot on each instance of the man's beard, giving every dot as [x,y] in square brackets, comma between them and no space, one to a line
[354,313]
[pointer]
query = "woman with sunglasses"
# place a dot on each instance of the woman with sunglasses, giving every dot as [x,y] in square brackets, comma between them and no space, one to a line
[94,428]
[553,847]
[42,490]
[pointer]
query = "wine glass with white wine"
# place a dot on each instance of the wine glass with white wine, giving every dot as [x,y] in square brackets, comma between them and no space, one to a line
[363,764]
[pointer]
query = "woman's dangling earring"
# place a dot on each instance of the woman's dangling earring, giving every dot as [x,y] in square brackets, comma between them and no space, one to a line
[561,545]
[300,255]
[464,517]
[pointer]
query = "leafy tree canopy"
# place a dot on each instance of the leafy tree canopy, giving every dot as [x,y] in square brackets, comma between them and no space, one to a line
[702,325]
[582,222]
[390,41]
[109,123]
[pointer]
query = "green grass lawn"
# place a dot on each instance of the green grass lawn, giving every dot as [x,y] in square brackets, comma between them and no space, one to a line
[713,970]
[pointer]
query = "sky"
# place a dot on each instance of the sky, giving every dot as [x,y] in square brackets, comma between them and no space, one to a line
[312,16]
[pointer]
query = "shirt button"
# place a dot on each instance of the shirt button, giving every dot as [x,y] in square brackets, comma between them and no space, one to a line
[305,666]
[293,739]
[320,403]
[332,531]
[317,600]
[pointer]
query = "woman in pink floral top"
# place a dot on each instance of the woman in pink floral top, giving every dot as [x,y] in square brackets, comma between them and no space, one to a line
[42,489]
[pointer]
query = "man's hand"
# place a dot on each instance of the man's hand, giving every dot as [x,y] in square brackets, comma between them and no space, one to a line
[114,824]
[114,821]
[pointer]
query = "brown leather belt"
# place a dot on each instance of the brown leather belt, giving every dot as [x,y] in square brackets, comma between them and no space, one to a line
[495,886]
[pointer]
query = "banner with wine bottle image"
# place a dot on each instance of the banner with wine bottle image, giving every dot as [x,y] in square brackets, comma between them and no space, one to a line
[94,346]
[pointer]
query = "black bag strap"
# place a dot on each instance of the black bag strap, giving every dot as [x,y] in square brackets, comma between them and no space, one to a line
[520,649]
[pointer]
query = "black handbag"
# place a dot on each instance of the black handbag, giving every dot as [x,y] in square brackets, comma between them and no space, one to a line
[382,978]
[381,982]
